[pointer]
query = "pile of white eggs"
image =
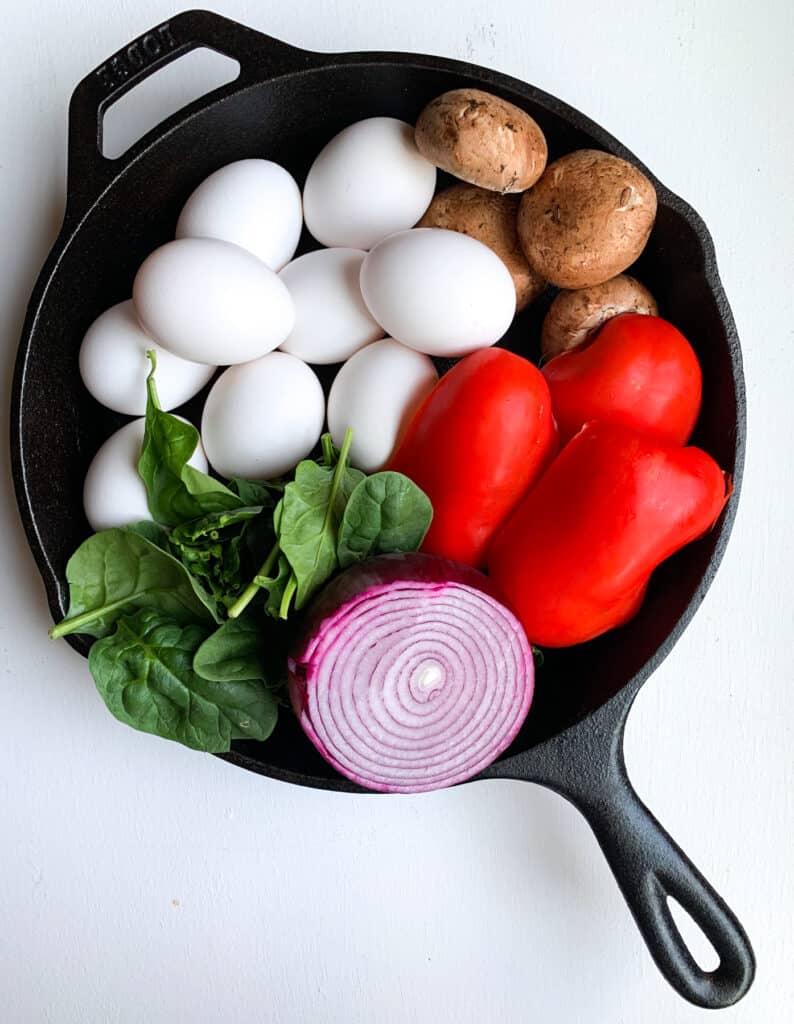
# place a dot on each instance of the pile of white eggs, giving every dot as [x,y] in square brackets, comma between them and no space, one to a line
[380,298]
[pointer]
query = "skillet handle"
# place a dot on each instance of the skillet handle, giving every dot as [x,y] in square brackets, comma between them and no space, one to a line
[89,171]
[649,866]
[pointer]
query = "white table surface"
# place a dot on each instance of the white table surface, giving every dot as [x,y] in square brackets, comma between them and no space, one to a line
[140,882]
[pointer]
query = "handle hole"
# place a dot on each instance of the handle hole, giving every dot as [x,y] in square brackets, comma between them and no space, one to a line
[172,87]
[695,939]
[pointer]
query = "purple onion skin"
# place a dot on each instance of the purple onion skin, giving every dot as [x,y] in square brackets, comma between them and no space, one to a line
[367,588]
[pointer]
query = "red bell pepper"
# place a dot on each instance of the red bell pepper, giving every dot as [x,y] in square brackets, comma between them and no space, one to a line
[575,558]
[637,370]
[478,441]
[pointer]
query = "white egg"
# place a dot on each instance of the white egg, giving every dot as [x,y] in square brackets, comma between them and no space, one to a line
[254,203]
[114,493]
[263,417]
[438,291]
[331,318]
[376,393]
[211,302]
[114,366]
[367,182]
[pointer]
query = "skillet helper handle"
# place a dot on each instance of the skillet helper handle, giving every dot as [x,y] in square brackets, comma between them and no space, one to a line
[89,171]
[649,866]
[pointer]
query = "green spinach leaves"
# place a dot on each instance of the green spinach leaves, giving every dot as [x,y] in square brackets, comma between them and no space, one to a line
[177,492]
[211,548]
[236,651]
[312,510]
[331,516]
[178,652]
[386,513]
[144,673]
[119,571]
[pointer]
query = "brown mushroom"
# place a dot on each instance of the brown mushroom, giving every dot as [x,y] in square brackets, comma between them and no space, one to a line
[490,218]
[482,139]
[574,315]
[587,219]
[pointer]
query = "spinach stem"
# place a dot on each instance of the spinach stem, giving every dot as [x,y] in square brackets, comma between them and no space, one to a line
[328,449]
[252,589]
[151,387]
[286,599]
[73,624]
[339,470]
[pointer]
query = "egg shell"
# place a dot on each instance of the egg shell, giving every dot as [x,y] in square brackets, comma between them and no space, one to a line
[113,492]
[261,418]
[369,181]
[114,366]
[377,392]
[211,302]
[331,318]
[255,204]
[438,291]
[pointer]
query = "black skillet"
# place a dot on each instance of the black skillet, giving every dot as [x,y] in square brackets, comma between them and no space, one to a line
[285,105]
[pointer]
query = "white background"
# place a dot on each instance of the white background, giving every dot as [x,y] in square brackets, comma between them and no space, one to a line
[142,883]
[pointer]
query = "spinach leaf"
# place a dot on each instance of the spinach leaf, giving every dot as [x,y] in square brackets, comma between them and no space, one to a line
[177,492]
[275,586]
[311,511]
[118,571]
[257,492]
[386,513]
[349,479]
[145,676]
[151,531]
[307,536]
[209,547]
[238,650]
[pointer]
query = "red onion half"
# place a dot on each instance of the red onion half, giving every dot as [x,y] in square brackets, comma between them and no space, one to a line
[412,675]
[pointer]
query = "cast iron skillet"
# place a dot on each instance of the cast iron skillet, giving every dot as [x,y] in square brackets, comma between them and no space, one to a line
[285,105]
